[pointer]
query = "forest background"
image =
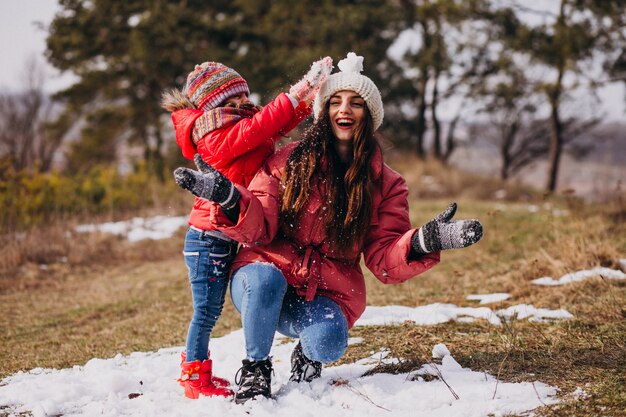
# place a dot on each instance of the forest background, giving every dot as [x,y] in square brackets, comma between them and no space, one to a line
[499,87]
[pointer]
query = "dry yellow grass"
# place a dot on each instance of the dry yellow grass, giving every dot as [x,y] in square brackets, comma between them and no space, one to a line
[110,296]
[65,316]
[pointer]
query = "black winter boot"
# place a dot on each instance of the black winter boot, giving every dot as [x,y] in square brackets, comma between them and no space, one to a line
[303,368]
[254,378]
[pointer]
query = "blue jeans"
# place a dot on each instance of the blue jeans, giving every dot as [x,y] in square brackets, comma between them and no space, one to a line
[267,304]
[208,260]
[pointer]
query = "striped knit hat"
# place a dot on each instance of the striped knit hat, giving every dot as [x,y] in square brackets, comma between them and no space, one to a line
[211,83]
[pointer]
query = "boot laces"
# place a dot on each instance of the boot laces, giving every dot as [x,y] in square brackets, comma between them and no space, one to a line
[254,376]
[302,368]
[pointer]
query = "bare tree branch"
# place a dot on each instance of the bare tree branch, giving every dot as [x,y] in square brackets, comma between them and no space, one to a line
[28,139]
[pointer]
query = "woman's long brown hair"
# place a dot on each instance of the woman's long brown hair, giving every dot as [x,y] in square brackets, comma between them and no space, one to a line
[347,200]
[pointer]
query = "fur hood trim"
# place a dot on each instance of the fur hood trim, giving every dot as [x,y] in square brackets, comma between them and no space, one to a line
[175,99]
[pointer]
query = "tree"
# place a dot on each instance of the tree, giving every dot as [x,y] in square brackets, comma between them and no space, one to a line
[278,40]
[436,65]
[579,34]
[96,146]
[29,138]
[514,121]
[126,54]
[519,133]
[430,60]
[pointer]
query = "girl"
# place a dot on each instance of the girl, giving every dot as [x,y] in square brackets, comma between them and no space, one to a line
[215,122]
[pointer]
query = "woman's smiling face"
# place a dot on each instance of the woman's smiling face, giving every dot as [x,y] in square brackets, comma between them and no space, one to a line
[347,111]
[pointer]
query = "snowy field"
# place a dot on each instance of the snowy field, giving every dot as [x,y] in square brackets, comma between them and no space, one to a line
[144,383]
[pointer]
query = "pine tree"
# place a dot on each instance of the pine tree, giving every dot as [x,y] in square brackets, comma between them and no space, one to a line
[580,33]
[125,54]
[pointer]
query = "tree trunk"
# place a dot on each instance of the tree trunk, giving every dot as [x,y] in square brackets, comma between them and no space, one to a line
[420,127]
[556,146]
[159,162]
[508,134]
[450,143]
[27,128]
[52,140]
[556,128]
[433,114]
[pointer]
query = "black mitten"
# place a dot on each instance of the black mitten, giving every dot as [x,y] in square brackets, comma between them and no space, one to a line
[441,233]
[207,183]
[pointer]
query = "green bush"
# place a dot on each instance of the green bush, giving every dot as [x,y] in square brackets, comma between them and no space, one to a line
[33,199]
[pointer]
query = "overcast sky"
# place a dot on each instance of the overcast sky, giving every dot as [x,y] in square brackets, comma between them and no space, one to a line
[22,39]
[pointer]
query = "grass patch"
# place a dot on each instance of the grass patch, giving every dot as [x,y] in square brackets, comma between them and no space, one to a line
[74,315]
[65,299]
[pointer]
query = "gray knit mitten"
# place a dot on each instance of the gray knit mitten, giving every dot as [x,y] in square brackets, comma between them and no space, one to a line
[441,233]
[207,183]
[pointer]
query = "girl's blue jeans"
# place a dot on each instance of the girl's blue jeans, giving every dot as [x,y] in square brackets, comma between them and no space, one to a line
[267,304]
[208,260]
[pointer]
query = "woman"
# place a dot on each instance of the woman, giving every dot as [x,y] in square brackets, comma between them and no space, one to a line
[305,220]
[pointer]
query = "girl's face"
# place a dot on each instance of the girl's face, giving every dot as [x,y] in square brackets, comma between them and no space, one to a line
[237,100]
[347,111]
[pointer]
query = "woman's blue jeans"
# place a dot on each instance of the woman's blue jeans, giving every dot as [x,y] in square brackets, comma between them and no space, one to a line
[267,304]
[208,260]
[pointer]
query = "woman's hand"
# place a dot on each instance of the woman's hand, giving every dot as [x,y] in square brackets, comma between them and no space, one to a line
[441,233]
[306,89]
[207,183]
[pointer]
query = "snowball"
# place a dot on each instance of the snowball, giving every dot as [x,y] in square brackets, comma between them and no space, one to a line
[440,350]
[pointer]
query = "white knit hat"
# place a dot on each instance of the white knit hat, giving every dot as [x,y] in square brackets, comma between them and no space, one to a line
[349,78]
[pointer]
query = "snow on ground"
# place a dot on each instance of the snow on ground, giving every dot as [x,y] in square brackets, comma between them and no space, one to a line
[526,311]
[144,384]
[424,315]
[580,276]
[138,228]
[489,298]
[441,313]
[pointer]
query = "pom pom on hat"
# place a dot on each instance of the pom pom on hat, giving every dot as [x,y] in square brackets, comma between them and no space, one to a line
[350,78]
[211,83]
[351,63]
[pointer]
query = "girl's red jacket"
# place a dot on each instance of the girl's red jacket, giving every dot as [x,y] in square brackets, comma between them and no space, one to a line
[238,150]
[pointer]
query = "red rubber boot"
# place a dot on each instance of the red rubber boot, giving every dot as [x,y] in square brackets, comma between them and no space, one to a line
[196,380]
[220,382]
